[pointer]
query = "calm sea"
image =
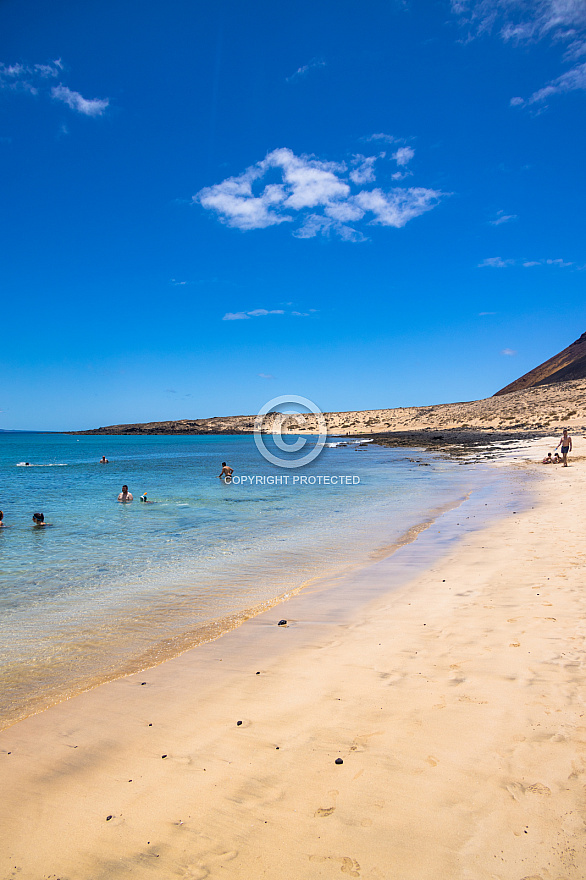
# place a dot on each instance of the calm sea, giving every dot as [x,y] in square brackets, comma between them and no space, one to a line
[108,588]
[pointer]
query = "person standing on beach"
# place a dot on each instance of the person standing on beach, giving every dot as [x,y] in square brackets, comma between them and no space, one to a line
[227,472]
[566,444]
[125,495]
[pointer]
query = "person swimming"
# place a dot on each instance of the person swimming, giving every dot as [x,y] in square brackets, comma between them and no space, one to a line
[1,519]
[227,472]
[144,498]
[104,460]
[39,519]
[125,495]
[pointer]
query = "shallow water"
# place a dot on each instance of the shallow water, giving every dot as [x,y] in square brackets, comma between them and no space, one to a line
[107,588]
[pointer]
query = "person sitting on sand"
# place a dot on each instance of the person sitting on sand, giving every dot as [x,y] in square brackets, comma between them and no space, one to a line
[556,459]
[104,460]
[39,520]
[227,472]
[125,495]
[566,444]
[548,459]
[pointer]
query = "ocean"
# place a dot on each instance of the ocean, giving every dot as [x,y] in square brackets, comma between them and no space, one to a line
[106,588]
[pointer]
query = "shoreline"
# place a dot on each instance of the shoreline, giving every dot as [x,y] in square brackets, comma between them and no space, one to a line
[456,710]
[167,648]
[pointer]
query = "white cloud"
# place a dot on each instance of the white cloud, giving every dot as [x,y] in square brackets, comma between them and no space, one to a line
[266,376]
[364,168]
[499,263]
[27,77]
[563,22]
[501,217]
[302,72]
[317,193]
[510,352]
[403,155]
[483,314]
[33,80]
[495,263]
[387,138]
[258,313]
[570,81]
[397,207]
[87,106]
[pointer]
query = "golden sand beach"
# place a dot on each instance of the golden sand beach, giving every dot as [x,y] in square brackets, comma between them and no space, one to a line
[454,699]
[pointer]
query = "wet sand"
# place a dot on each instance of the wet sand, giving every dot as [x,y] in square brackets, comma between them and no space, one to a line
[451,687]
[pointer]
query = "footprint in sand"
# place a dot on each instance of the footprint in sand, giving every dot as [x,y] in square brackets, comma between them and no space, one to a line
[348,866]
[327,811]
[538,788]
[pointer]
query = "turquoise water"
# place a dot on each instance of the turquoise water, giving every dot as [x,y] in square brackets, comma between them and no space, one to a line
[108,588]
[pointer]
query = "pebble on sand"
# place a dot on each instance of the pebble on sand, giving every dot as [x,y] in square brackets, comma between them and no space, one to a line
[338,761]
[282,623]
[238,723]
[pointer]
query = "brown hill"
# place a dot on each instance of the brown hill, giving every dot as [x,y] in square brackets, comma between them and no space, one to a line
[541,410]
[568,364]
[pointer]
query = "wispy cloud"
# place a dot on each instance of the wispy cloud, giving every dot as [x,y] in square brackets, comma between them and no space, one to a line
[35,79]
[570,81]
[28,77]
[89,107]
[315,195]
[483,314]
[266,376]
[495,263]
[499,263]
[403,156]
[302,72]
[510,352]
[380,136]
[559,263]
[262,313]
[501,217]
[522,22]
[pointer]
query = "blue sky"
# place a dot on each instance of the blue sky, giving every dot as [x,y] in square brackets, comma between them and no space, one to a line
[204,206]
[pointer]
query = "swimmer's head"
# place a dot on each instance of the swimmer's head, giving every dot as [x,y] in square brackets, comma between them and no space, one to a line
[38,518]
[125,488]
[1,516]
[223,464]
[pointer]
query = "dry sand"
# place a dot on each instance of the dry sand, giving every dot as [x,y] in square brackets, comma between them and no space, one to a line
[456,702]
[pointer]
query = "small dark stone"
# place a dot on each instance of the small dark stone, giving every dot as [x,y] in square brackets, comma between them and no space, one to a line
[150,725]
[258,673]
[282,623]
[277,747]
[339,761]
[130,780]
[143,682]
[108,818]
[238,723]
[163,756]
